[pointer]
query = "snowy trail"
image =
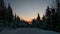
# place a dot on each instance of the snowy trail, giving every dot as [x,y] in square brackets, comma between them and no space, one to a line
[28,31]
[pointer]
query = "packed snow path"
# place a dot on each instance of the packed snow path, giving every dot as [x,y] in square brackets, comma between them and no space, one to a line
[27,31]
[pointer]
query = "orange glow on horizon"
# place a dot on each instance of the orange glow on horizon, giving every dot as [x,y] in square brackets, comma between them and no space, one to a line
[29,19]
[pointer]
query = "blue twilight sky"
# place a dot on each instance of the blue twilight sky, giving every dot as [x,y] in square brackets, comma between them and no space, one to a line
[28,9]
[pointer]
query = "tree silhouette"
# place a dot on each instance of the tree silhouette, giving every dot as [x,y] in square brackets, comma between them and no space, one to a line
[53,18]
[36,22]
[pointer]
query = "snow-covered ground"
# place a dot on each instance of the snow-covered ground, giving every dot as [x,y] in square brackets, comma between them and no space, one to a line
[27,31]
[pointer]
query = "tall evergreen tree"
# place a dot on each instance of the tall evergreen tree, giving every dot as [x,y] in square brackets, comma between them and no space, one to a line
[9,13]
[38,21]
[56,17]
[53,18]
[48,16]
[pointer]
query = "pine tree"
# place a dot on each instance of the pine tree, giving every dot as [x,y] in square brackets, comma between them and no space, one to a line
[53,17]
[2,14]
[43,21]
[9,13]
[56,18]
[18,21]
[48,16]
[34,23]
[38,21]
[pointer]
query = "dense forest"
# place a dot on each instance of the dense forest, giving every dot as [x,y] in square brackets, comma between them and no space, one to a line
[50,21]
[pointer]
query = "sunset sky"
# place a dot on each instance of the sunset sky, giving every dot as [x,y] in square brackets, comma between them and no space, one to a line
[28,9]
